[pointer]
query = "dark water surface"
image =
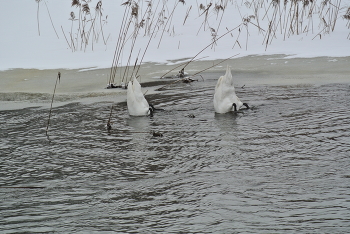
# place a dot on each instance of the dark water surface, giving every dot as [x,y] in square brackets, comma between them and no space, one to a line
[280,167]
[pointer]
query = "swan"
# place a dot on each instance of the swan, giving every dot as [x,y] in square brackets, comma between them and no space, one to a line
[137,103]
[225,99]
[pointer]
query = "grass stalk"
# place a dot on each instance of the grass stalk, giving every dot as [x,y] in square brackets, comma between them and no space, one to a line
[51,20]
[214,41]
[37,15]
[50,112]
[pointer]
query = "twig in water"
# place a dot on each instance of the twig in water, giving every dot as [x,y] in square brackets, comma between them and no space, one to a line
[180,66]
[215,64]
[21,187]
[197,73]
[214,41]
[53,95]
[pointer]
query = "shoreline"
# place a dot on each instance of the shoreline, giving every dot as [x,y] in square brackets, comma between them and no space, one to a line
[30,86]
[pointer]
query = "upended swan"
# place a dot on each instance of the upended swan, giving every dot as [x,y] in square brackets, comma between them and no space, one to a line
[137,103]
[225,99]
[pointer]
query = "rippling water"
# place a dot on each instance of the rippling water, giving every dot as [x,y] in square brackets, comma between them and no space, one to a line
[281,166]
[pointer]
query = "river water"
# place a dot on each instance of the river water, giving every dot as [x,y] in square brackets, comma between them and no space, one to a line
[280,167]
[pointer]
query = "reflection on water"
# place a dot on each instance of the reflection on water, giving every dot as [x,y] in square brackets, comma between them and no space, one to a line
[281,166]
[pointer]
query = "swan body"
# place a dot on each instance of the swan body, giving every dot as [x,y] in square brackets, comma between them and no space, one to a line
[137,103]
[225,98]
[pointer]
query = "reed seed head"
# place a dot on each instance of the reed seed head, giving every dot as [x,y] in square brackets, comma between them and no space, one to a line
[218,7]
[347,15]
[72,16]
[76,3]
[135,10]
[86,8]
[126,3]
[99,7]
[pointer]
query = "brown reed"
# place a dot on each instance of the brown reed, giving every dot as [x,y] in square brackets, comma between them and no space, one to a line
[53,95]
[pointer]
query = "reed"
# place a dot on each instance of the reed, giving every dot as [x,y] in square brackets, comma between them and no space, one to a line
[86,26]
[214,41]
[153,133]
[293,17]
[53,26]
[195,74]
[53,95]
[37,15]
[129,34]
[168,21]
[22,187]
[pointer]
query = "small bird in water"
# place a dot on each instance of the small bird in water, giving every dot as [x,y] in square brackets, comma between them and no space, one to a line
[157,134]
[109,126]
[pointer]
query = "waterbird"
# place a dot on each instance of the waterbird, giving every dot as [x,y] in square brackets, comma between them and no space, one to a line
[225,98]
[156,134]
[136,101]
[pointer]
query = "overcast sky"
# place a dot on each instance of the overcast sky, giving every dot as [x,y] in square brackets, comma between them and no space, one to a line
[22,47]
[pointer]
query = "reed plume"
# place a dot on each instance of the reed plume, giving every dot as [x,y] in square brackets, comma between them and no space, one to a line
[89,25]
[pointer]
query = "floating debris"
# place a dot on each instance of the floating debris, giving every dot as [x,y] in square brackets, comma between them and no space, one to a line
[188,80]
[109,126]
[156,134]
[113,86]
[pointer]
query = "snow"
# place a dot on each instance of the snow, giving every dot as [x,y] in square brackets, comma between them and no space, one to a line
[22,47]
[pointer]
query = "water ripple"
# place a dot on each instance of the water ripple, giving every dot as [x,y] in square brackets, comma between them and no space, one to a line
[281,166]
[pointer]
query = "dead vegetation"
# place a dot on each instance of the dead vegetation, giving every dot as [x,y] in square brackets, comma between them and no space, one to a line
[155,19]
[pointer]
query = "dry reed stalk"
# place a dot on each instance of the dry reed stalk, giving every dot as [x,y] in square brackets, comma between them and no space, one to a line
[122,39]
[218,8]
[117,50]
[37,15]
[187,14]
[144,53]
[134,14]
[187,63]
[21,187]
[195,73]
[150,28]
[53,95]
[89,26]
[51,19]
[66,38]
[170,17]
[215,65]
[210,45]
[179,66]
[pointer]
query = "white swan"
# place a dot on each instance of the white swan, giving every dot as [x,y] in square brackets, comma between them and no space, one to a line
[137,103]
[225,99]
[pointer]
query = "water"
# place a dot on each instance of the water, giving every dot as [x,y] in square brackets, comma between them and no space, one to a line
[280,167]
